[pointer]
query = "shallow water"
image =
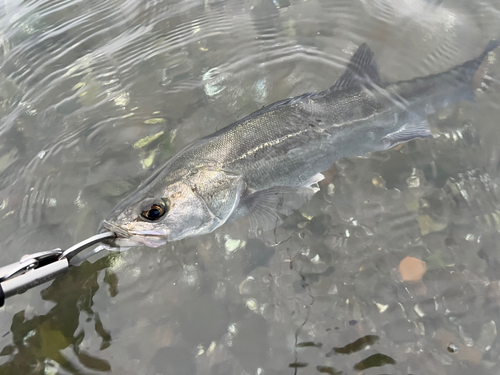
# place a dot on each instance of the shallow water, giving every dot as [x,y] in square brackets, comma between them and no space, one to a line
[95,95]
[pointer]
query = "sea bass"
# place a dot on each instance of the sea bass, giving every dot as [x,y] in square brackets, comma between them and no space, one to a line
[268,163]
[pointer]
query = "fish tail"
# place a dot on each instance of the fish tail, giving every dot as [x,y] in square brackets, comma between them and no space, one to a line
[472,70]
[459,82]
[490,47]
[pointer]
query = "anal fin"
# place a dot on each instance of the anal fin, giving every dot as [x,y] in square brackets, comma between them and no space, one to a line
[313,180]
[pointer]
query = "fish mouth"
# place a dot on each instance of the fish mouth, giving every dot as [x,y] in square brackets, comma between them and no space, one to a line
[130,238]
[119,231]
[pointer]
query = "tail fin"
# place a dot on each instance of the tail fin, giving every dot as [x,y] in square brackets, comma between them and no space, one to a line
[490,47]
[471,67]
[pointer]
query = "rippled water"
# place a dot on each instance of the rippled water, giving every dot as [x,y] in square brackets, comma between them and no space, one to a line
[94,95]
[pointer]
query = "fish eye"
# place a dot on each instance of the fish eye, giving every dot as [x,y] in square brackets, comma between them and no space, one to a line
[154,211]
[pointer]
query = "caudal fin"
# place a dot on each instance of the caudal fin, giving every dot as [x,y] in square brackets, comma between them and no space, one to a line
[490,47]
[471,69]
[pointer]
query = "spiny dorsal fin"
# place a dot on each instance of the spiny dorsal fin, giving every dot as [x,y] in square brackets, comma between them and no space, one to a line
[362,68]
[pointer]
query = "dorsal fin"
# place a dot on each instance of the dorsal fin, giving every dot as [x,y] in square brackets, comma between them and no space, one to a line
[362,68]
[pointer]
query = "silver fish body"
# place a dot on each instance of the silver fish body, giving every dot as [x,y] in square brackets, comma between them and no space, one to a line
[268,162]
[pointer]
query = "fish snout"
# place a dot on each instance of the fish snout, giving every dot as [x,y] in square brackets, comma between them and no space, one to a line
[135,236]
[119,231]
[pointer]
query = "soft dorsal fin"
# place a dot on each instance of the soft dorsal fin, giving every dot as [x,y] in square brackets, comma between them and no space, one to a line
[362,68]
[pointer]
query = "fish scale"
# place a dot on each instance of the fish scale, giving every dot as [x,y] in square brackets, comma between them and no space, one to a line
[266,164]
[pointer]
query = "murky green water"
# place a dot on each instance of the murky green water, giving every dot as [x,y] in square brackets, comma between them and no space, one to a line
[94,95]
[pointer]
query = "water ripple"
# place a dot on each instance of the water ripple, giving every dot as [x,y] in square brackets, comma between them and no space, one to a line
[94,95]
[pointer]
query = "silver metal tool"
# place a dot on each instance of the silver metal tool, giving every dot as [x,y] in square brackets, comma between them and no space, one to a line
[38,268]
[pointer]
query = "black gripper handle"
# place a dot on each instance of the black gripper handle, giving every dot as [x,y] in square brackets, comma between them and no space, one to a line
[2,296]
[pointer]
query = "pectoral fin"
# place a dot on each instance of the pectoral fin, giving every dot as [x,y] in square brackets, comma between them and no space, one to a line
[409,132]
[267,208]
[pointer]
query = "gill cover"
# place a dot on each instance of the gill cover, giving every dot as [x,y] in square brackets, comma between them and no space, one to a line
[201,202]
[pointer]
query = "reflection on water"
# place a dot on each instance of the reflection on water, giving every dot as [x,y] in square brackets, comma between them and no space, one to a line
[39,342]
[355,346]
[96,95]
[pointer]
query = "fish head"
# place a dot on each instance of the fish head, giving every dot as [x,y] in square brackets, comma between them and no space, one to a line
[155,214]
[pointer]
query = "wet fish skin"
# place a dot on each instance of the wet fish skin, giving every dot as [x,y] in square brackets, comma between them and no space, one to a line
[259,164]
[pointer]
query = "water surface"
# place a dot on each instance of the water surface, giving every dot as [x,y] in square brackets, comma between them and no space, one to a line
[94,96]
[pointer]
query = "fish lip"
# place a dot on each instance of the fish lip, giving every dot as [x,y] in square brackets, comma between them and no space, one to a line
[162,233]
[117,230]
[151,238]
[123,233]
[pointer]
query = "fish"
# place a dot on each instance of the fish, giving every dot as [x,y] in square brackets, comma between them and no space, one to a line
[268,164]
